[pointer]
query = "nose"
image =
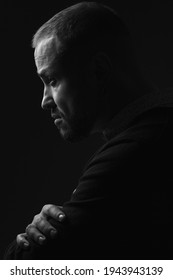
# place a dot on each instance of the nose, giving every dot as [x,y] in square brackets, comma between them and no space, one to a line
[47,100]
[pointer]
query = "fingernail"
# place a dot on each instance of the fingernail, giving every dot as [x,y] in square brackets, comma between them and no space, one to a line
[53,233]
[61,217]
[26,245]
[41,239]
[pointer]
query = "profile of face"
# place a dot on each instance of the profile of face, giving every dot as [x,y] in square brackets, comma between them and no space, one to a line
[70,90]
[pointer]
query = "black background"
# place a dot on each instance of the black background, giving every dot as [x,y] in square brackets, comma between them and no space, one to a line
[37,166]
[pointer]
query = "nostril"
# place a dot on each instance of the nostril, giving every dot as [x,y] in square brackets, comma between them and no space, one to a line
[47,104]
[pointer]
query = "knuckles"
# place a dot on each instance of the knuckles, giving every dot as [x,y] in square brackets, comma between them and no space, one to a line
[46,208]
[19,238]
[29,228]
[37,219]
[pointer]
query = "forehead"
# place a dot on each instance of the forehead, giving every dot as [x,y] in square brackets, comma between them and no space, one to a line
[46,52]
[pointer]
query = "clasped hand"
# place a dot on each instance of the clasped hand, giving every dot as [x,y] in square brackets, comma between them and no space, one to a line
[41,229]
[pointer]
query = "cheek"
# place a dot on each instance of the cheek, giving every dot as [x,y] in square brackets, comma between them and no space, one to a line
[63,97]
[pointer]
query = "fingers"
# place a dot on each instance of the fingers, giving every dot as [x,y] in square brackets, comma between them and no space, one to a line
[53,211]
[41,223]
[22,241]
[33,233]
[40,229]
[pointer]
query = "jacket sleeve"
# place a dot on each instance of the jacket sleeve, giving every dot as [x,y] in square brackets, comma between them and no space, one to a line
[101,197]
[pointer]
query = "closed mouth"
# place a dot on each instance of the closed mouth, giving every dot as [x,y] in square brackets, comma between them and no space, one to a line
[55,116]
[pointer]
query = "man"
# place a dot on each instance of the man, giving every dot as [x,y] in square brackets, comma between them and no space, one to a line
[122,206]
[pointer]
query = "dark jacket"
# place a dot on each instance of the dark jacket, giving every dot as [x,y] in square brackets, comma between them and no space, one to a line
[122,207]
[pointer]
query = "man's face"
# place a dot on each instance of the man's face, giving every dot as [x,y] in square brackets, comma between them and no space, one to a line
[70,91]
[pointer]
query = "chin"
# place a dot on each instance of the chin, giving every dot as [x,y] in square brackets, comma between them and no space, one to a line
[75,130]
[72,136]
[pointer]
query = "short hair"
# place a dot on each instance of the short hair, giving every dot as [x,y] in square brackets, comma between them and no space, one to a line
[85,24]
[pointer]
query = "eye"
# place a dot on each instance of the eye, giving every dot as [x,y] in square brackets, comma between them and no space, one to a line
[52,82]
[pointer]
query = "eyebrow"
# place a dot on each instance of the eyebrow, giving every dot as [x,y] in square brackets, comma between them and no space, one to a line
[43,73]
[48,71]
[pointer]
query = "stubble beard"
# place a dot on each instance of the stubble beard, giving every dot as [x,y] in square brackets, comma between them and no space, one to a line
[76,129]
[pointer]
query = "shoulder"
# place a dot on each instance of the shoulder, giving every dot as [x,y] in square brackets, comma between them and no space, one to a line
[145,144]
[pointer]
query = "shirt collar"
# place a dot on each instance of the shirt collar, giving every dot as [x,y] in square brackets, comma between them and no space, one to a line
[121,121]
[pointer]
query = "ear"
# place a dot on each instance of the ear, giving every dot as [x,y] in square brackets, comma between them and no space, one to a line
[102,68]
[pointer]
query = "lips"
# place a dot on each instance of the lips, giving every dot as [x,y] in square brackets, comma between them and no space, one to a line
[57,119]
[58,122]
[55,116]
